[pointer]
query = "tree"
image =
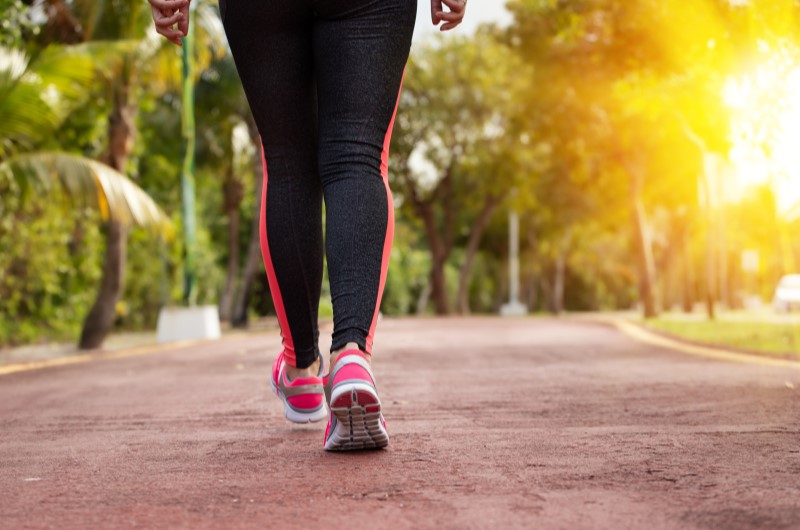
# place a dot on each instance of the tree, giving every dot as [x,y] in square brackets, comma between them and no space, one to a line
[455,155]
[146,62]
[638,77]
[36,97]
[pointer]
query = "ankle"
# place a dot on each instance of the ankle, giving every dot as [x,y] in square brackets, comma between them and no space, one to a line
[295,373]
[347,347]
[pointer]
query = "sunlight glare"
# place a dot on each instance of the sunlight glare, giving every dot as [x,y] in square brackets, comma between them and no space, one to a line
[765,128]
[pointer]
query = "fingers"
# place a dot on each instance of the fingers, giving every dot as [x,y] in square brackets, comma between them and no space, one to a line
[171,35]
[167,13]
[436,8]
[456,5]
[452,18]
[183,23]
[164,25]
[169,5]
[164,21]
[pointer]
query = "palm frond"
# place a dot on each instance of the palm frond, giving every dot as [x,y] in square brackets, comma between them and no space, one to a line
[25,117]
[86,182]
[13,63]
[68,69]
[37,94]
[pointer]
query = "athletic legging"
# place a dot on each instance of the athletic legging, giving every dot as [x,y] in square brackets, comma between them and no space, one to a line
[323,79]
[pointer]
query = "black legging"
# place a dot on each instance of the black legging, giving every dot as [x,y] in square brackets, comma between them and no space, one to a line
[322,79]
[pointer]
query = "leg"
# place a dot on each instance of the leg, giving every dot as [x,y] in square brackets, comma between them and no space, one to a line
[272,47]
[360,52]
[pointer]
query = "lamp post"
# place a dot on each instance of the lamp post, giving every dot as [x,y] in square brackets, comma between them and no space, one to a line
[514,307]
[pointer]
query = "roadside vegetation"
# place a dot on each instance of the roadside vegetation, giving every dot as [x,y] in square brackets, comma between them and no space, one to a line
[775,338]
[644,155]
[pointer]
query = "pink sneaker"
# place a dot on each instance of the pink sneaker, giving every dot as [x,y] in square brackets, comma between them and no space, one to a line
[355,421]
[302,398]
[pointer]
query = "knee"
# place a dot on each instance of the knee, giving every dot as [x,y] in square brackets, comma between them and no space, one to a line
[349,159]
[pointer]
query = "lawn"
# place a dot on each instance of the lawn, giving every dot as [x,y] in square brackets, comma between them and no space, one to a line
[763,337]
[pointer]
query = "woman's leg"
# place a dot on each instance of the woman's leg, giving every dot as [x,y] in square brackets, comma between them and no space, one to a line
[272,47]
[360,51]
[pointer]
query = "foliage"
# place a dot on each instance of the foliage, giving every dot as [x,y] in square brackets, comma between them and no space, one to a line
[738,332]
[48,258]
[604,123]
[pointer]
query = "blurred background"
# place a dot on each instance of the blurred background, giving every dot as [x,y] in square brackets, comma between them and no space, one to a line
[646,154]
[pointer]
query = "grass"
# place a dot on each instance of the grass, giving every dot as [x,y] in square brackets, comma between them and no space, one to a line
[764,337]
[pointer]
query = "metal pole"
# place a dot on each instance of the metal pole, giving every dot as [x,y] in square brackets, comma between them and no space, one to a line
[513,262]
[187,170]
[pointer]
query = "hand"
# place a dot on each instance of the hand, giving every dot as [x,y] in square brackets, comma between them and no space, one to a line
[167,13]
[450,18]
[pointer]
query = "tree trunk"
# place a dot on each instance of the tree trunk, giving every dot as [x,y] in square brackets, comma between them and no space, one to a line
[668,277]
[559,281]
[711,277]
[120,142]
[724,292]
[489,208]
[253,260]
[439,254]
[232,190]
[229,289]
[440,244]
[239,318]
[62,25]
[547,291]
[688,276]
[439,292]
[533,250]
[101,317]
[532,293]
[644,247]
[647,275]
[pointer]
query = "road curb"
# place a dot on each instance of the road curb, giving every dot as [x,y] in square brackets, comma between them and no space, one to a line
[98,356]
[641,334]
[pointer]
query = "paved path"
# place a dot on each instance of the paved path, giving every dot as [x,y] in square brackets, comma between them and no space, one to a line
[495,424]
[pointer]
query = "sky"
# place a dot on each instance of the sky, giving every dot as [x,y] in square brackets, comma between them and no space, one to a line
[478,11]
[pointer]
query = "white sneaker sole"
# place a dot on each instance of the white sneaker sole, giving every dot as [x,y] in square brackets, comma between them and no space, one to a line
[357,409]
[295,416]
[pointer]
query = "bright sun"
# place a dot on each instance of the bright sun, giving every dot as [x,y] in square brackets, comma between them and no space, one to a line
[765,130]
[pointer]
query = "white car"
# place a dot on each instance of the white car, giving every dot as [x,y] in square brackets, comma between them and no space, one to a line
[787,294]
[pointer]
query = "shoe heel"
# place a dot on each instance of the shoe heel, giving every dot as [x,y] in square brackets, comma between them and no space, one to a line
[359,421]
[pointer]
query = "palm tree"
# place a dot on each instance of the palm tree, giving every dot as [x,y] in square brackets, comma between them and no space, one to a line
[146,62]
[35,97]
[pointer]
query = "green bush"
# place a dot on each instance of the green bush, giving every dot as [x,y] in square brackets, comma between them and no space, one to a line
[48,268]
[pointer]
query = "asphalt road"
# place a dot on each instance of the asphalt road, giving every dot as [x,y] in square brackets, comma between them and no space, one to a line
[530,423]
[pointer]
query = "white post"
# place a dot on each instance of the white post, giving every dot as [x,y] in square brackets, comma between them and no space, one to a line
[514,307]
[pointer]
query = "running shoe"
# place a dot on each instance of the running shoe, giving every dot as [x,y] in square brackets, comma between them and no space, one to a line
[355,421]
[303,398]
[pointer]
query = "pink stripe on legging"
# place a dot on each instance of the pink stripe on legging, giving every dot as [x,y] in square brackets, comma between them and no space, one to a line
[277,298]
[387,245]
